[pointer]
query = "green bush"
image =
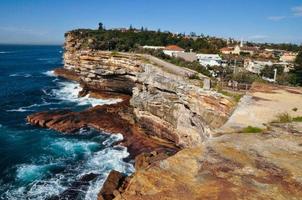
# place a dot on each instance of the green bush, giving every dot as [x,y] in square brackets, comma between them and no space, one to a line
[251,129]
[283,118]
[297,119]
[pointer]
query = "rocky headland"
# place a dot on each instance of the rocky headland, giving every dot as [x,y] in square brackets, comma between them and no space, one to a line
[169,123]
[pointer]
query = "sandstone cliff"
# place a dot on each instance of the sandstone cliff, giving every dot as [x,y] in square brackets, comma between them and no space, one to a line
[166,104]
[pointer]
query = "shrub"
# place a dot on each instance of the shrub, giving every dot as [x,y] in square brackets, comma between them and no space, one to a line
[251,129]
[283,118]
[297,119]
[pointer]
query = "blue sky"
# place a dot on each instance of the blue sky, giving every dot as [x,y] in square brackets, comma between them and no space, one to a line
[45,21]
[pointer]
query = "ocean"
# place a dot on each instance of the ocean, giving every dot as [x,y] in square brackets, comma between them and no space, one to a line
[38,163]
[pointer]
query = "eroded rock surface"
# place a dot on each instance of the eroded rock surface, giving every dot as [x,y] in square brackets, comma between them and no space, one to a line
[233,166]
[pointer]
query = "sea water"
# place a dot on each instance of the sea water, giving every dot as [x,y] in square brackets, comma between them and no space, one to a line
[38,163]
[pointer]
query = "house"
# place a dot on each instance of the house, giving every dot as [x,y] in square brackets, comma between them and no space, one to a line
[256,66]
[239,49]
[227,50]
[288,57]
[153,47]
[171,49]
[187,56]
[209,59]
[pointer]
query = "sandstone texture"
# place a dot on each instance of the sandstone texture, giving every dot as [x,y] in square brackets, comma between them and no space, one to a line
[262,104]
[233,166]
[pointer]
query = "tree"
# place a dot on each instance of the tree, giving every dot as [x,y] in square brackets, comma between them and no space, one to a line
[296,78]
[268,71]
[101,26]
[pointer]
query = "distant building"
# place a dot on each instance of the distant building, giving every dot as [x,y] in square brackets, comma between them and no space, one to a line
[239,49]
[172,49]
[227,50]
[256,66]
[209,59]
[153,47]
[187,56]
[288,57]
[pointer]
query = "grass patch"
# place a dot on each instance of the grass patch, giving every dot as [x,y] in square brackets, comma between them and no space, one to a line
[114,53]
[235,96]
[297,119]
[251,129]
[283,118]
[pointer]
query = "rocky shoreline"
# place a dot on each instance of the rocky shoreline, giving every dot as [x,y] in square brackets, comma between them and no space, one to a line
[168,122]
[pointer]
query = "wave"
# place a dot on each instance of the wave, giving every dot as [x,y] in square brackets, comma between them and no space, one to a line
[98,159]
[27,108]
[20,75]
[22,109]
[4,52]
[49,73]
[68,91]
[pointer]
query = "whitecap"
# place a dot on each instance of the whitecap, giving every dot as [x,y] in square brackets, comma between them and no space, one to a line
[49,73]
[65,147]
[30,172]
[20,75]
[22,109]
[68,91]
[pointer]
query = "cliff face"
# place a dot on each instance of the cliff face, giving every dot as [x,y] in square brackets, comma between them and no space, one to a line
[165,104]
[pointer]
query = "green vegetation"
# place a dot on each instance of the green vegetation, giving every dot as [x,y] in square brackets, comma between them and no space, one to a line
[114,53]
[182,63]
[283,118]
[251,129]
[234,95]
[297,119]
[268,71]
[296,73]
[130,40]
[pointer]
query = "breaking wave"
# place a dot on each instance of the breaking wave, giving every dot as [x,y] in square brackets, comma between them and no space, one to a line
[57,173]
[68,91]
[49,73]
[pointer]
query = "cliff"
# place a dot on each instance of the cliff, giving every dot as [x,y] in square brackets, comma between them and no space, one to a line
[166,104]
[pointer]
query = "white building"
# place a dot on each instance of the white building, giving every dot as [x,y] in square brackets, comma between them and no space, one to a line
[209,59]
[288,57]
[153,47]
[256,66]
[172,49]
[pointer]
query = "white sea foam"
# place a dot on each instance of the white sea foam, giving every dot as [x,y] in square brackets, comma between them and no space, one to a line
[68,91]
[29,108]
[49,73]
[21,75]
[22,109]
[97,162]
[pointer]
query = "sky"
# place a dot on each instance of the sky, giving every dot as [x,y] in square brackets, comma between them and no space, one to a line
[46,21]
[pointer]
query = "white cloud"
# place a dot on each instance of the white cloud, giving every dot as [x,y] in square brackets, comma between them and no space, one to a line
[297,11]
[276,18]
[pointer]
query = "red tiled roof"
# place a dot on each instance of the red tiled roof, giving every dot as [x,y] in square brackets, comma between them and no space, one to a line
[227,49]
[173,48]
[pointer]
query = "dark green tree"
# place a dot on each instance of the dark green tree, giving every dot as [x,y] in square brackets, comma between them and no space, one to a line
[268,71]
[101,26]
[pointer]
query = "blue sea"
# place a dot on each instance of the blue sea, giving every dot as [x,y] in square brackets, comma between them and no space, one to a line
[38,163]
